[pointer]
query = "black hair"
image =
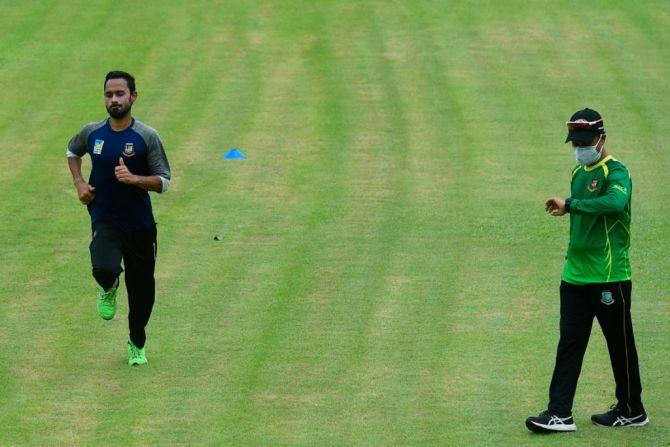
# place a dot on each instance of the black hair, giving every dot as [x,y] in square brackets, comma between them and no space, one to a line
[117,74]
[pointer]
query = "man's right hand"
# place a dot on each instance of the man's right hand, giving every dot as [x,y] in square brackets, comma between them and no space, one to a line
[555,206]
[85,192]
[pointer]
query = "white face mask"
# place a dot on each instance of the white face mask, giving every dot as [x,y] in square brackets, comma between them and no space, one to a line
[587,155]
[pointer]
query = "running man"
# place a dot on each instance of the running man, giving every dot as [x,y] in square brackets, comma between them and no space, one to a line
[128,161]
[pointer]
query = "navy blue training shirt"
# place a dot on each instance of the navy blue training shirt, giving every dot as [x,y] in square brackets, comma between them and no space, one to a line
[128,207]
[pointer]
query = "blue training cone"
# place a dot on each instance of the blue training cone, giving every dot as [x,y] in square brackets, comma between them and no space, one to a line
[234,153]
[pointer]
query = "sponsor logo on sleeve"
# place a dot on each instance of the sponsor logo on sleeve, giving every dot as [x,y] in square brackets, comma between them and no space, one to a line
[129,150]
[97,147]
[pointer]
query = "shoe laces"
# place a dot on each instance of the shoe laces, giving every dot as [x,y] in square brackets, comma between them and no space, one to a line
[614,410]
[107,296]
[549,414]
[553,416]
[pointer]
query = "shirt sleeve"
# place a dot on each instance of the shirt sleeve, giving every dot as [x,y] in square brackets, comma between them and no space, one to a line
[158,162]
[77,145]
[615,199]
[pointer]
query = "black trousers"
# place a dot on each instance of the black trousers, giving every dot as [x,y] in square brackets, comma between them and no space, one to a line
[138,252]
[610,304]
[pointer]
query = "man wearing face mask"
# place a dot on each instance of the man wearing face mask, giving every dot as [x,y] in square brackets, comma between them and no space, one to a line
[596,281]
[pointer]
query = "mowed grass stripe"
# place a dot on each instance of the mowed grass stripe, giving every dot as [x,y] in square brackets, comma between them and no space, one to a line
[279,335]
[445,64]
[390,327]
[440,329]
[310,366]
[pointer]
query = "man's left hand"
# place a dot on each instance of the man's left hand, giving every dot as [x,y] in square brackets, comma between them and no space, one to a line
[555,206]
[123,174]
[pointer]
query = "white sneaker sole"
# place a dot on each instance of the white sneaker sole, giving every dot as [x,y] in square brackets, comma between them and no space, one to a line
[554,427]
[634,424]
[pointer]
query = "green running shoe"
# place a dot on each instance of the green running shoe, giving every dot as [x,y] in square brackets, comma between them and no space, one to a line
[136,356]
[107,303]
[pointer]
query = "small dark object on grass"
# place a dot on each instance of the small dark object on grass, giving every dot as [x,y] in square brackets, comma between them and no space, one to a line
[218,237]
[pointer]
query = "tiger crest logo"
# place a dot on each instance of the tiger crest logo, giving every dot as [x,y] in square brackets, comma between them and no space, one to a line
[594,185]
[129,150]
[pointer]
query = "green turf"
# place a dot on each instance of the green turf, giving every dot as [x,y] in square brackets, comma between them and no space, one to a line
[387,274]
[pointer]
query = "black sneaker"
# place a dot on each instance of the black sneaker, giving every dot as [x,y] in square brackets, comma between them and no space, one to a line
[616,417]
[548,422]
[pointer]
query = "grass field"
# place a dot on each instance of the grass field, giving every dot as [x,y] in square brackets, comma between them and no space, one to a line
[387,275]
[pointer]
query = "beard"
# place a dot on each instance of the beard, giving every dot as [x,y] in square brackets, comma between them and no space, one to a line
[118,112]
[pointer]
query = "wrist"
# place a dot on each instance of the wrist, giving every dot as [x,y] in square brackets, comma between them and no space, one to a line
[568,202]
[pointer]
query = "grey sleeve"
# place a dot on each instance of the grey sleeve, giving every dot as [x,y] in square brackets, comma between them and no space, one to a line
[157,160]
[77,145]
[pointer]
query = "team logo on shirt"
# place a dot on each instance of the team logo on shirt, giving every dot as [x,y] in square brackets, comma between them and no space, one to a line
[97,147]
[129,151]
[606,298]
[594,184]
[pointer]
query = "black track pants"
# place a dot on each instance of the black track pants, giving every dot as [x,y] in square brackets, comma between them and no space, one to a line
[610,304]
[138,252]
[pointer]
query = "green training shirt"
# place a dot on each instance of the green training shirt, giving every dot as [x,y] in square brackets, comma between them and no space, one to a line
[599,224]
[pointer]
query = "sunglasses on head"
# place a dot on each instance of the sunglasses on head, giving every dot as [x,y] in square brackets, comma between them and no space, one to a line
[582,124]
